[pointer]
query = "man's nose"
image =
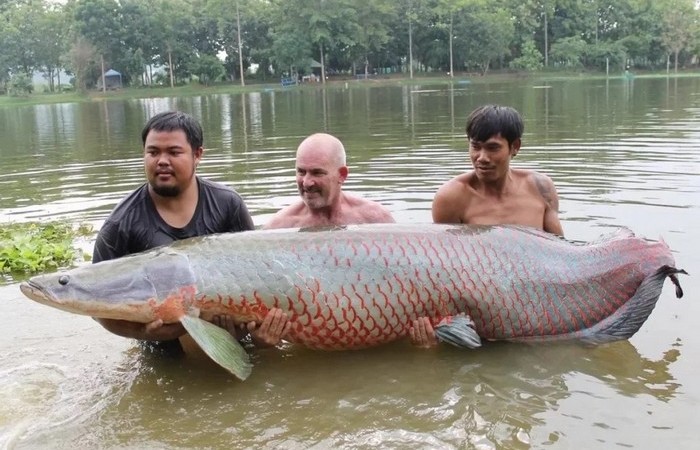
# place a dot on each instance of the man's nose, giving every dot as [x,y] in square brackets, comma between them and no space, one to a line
[308,180]
[482,156]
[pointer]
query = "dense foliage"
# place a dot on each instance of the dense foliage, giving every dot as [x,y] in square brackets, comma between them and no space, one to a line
[219,40]
[35,247]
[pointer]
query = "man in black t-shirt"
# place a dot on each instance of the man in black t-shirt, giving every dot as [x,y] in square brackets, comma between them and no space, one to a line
[176,204]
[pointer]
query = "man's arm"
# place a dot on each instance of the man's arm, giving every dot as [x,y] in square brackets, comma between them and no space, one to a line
[448,203]
[107,244]
[243,220]
[550,222]
[153,331]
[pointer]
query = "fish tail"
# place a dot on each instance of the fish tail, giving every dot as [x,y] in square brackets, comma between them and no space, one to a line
[630,317]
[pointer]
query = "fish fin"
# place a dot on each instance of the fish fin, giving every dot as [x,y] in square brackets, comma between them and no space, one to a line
[219,345]
[630,317]
[618,233]
[458,331]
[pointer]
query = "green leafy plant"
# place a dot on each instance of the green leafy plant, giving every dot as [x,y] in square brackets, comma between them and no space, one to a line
[37,247]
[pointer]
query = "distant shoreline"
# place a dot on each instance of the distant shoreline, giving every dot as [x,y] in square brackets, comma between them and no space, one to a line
[334,82]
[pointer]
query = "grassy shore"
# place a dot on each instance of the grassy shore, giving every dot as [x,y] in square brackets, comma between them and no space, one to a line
[339,81]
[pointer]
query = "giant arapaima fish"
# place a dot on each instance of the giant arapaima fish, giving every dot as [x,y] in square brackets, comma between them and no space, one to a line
[359,286]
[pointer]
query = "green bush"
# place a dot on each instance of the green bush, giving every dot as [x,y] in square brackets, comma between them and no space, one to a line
[531,59]
[20,85]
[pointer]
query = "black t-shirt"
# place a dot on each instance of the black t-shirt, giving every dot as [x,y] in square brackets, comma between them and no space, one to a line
[135,225]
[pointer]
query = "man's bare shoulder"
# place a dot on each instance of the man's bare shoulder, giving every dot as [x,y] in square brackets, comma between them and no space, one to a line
[457,187]
[356,201]
[366,210]
[540,182]
[452,199]
[287,217]
[531,175]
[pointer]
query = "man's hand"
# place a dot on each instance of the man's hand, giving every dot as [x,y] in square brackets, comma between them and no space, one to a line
[226,322]
[153,331]
[271,330]
[422,333]
[269,333]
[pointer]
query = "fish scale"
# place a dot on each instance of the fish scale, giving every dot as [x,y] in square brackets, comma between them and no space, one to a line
[388,278]
[359,286]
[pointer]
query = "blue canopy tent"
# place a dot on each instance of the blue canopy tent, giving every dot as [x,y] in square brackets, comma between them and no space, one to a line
[113,80]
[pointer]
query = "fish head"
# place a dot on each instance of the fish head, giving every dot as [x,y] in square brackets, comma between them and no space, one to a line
[130,288]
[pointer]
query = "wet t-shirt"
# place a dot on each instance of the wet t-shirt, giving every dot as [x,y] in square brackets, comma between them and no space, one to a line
[135,225]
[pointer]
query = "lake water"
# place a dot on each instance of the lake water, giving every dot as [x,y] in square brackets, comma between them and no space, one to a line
[623,153]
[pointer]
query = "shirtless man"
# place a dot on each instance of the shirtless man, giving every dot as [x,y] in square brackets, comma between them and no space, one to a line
[320,174]
[493,193]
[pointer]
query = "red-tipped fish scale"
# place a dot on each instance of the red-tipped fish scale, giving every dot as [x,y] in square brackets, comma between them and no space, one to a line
[362,285]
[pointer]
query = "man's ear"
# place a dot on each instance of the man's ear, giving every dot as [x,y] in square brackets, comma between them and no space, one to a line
[343,172]
[198,152]
[515,147]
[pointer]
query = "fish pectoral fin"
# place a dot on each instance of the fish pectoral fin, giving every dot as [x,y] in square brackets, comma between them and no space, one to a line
[219,345]
[458,331]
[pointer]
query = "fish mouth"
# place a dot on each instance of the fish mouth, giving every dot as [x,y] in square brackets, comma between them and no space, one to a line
[36,292]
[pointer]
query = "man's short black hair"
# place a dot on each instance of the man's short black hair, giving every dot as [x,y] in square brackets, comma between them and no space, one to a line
[489,120]
[172,121]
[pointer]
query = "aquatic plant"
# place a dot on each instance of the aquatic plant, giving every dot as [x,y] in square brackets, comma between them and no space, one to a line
[38,247]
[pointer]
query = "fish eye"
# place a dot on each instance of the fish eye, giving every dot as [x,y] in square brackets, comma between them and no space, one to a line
[63,280]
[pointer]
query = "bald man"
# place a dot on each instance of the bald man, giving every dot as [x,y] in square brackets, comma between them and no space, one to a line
[320,174]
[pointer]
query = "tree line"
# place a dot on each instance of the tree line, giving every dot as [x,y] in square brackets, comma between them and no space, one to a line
[224,40]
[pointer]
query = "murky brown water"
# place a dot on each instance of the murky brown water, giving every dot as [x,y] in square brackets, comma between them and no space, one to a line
[621,154]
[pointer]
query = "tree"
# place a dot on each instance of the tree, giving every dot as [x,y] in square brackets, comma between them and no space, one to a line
[52,26]
[325,24]
[530,58]
[445,11]
[257,35]
[569,52]
[138,21]
[291,44]
[98,22]
[680,26]
[20,85]
[488,33]
[229,33]
[371,29]
[208,68]
[417,14]
[173,35]
[20,36]
[81,57]
[330,25]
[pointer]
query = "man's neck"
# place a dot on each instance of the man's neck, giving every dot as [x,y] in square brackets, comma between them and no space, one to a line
[496,188]
[177,211]
[331,213]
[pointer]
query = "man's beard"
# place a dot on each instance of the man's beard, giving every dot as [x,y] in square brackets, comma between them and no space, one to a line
[317,202]
[166,191]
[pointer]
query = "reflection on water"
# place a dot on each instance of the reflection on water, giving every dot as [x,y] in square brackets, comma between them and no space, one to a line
[403,142]
[296,397]
[621,154]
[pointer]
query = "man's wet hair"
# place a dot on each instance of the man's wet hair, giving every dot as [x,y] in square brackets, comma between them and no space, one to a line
[173,121]
[489,120]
